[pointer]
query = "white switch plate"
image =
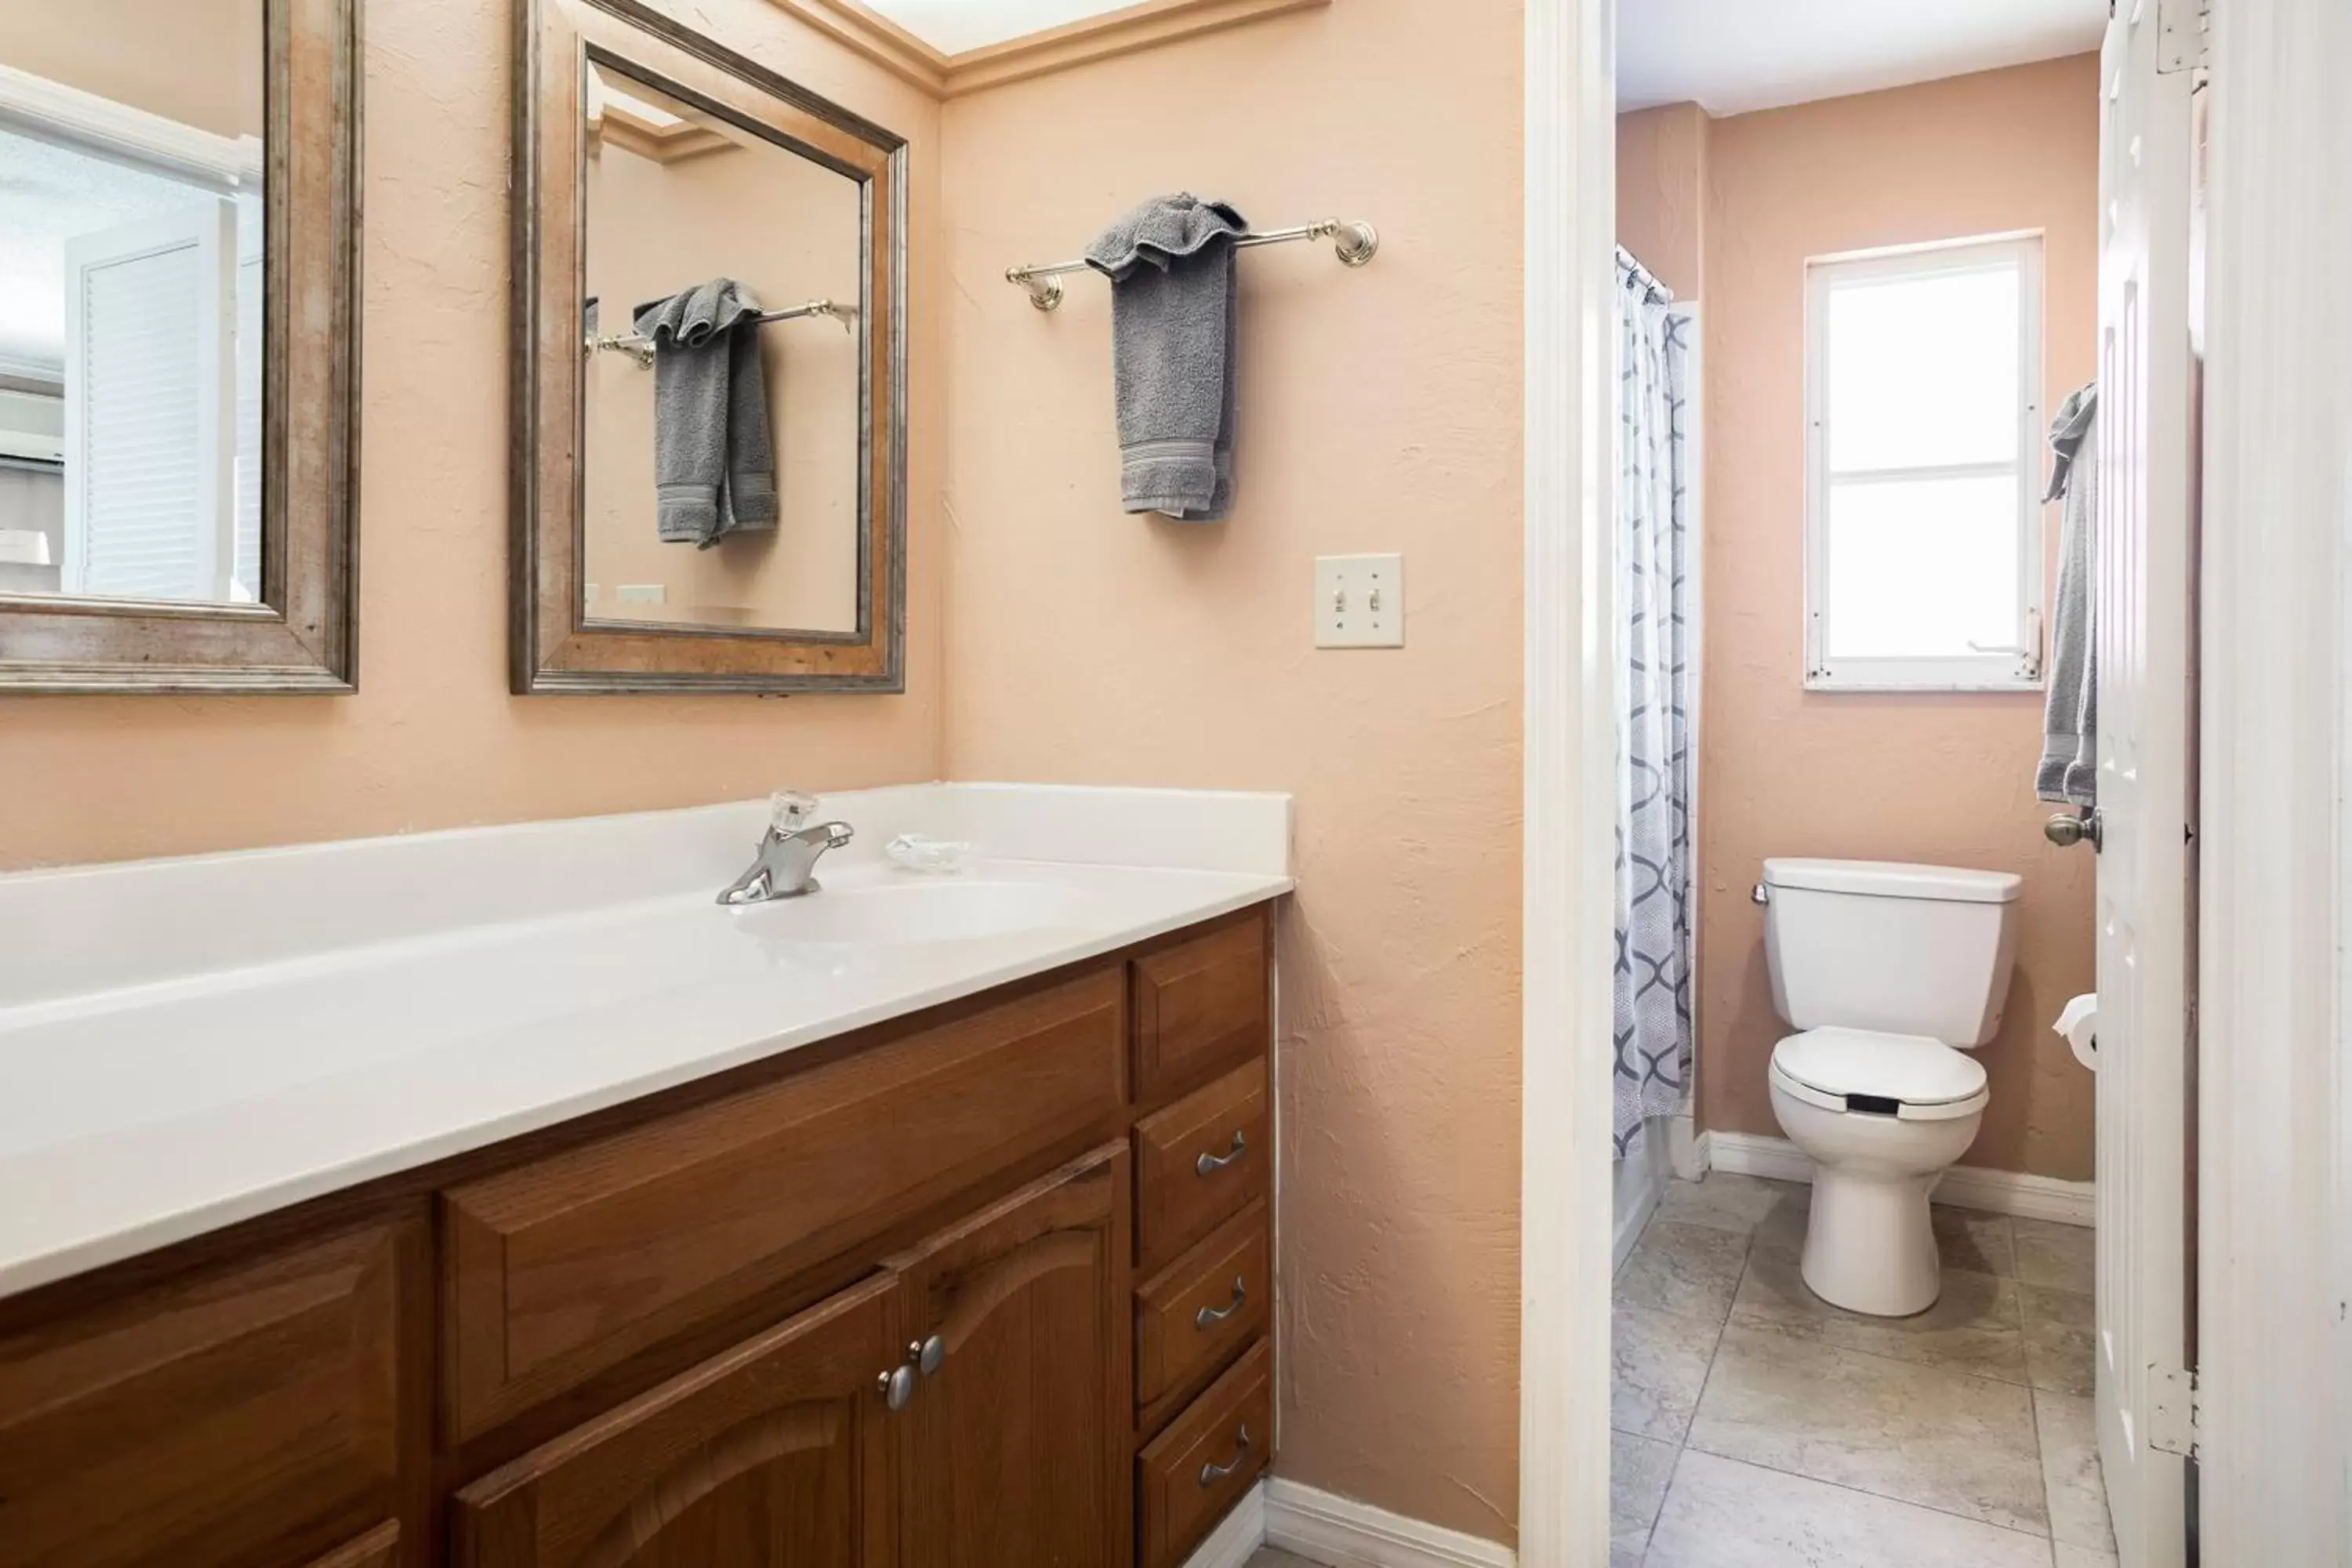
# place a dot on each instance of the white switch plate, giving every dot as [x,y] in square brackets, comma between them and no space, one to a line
[1359,601]
[642,592]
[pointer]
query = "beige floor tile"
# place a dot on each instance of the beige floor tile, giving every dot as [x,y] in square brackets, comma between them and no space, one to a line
[1639,1469]
[1973,1326]
[1726,1200]
[1690,1270]
[2053,1254]
[1972,1240]
[1917,1434]
[2069,1469]
[1657,1366]
[2061,1339]
[1720,1513]
[1276,1557]
[1782,1231]
[2083,1557]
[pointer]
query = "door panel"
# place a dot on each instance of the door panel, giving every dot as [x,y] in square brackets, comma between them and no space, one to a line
[1014,1447]
[775,1455]
[2144,633]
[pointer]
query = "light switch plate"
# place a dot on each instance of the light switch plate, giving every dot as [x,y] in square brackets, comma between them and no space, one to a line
[642,592]
[1359,601]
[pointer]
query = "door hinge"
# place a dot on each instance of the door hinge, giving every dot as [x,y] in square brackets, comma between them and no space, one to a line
[2184,33]
[2172,1411]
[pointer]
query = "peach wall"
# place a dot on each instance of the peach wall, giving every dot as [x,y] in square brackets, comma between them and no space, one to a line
[1662,193]
[195,61]
[1380,412]
[432,738]
[1934,778]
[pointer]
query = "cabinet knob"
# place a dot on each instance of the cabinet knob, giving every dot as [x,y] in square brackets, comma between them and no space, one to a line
[898,1387]
[1210,1317]
[928,1356]
[1209,1165]
[1212,1474]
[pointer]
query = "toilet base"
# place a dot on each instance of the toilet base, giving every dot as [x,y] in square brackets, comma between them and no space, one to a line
[1870,1244]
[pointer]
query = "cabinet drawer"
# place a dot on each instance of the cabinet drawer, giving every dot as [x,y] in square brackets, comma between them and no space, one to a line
[379,1548]
[1201,1006]
[246,1417]
[1194,1473]
[1198,1161]
[563,1268]
[1204,1307]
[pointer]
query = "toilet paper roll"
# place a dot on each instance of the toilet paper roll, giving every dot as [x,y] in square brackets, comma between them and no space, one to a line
[2079,1022]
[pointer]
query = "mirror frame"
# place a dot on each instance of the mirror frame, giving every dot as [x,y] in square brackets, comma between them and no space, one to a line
[555,645]
[303,634]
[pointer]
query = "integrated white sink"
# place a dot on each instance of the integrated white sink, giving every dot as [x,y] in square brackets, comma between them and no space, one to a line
[909,911]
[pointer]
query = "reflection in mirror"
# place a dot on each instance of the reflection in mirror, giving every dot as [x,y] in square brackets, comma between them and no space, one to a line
[131,293]
[724,338]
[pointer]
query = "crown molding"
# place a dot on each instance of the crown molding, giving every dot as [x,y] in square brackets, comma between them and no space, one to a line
[875,37]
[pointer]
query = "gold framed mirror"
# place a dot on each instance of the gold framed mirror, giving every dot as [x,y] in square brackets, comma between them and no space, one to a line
[179,345]
[708,443]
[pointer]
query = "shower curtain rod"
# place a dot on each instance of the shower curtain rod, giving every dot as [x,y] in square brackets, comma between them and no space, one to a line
[1629,264]
[1354,242]
[641,348]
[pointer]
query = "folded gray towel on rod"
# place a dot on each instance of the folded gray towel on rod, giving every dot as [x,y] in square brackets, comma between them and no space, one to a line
[2069,771]
[714,449]
[1173,289]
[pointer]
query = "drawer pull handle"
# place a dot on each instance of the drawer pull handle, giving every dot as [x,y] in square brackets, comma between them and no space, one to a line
[1212,1474]
[1210,1317]
[1209,1165]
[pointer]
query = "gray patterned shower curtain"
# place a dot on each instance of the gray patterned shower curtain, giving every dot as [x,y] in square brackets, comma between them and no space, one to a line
[1653,761]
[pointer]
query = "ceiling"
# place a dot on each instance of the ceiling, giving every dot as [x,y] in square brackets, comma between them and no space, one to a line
[952,27]
[49,194]
[1735,55]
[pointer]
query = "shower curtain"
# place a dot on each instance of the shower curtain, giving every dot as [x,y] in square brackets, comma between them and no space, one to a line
[1653,762]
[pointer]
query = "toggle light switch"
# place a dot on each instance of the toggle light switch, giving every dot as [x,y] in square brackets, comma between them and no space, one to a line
[1359,601]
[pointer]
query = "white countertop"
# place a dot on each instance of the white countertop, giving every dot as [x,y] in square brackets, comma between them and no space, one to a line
[184,1083]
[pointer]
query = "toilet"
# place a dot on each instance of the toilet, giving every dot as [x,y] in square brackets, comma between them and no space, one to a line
[1891,973]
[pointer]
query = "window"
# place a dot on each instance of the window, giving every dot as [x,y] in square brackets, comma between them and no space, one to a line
[1923,545]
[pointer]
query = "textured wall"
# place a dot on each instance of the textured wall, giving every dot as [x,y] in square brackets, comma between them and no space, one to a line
[1937,778]
[1662,193]
[432,738]
[1380,410]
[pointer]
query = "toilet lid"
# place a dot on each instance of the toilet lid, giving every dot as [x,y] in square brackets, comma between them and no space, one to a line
[1909,1068]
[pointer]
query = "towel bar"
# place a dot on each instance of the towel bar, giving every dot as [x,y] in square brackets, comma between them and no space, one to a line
[641,349]
[1353,241]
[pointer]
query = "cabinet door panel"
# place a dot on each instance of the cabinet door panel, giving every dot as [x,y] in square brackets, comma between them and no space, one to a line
[246,1415]
[1015,1451]
[775,1455]
[1202,1006]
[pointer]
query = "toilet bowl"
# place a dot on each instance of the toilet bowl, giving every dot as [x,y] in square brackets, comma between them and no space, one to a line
[1890,973]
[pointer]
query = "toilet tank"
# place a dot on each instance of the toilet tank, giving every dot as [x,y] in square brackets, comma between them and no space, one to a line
[1874,945]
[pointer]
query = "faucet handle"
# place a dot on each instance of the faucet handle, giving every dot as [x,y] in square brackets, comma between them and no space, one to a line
[788,810]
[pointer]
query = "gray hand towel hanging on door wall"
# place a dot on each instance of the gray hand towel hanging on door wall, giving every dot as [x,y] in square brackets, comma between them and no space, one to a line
[714,449]
[2069,771]
[1170,263]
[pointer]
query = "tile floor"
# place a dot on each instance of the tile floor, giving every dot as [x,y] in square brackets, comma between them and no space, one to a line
[1757,1426]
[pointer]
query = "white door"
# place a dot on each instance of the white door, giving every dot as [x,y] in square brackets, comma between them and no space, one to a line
[151,406]
[2144,633]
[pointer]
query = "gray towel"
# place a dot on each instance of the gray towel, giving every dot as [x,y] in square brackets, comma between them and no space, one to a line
[2070,730]
[714,450]
[1170,263]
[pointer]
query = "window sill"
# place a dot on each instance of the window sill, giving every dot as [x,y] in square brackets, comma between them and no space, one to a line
[1866,686]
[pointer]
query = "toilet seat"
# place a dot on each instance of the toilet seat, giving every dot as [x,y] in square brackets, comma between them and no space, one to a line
[1910,1077]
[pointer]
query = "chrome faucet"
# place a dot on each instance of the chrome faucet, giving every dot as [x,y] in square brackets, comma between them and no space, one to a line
[788,852]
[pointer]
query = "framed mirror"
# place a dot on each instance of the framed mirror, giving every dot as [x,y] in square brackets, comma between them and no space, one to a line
[710,363]
[179,206]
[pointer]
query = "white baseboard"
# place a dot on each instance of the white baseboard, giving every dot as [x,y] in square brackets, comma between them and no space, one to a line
[1324,1527]
[1234,1542]
[1967,1186]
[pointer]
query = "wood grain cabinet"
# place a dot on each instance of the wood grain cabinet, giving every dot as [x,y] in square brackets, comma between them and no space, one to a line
[988,1287]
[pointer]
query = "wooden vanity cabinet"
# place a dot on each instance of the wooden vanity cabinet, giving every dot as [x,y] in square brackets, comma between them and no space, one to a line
[875,1304]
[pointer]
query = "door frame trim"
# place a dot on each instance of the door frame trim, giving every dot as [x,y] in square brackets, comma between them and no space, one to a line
[1568,779]
[2274,1129]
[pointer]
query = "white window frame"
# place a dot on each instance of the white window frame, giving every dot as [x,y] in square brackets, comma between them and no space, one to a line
[2012,668]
